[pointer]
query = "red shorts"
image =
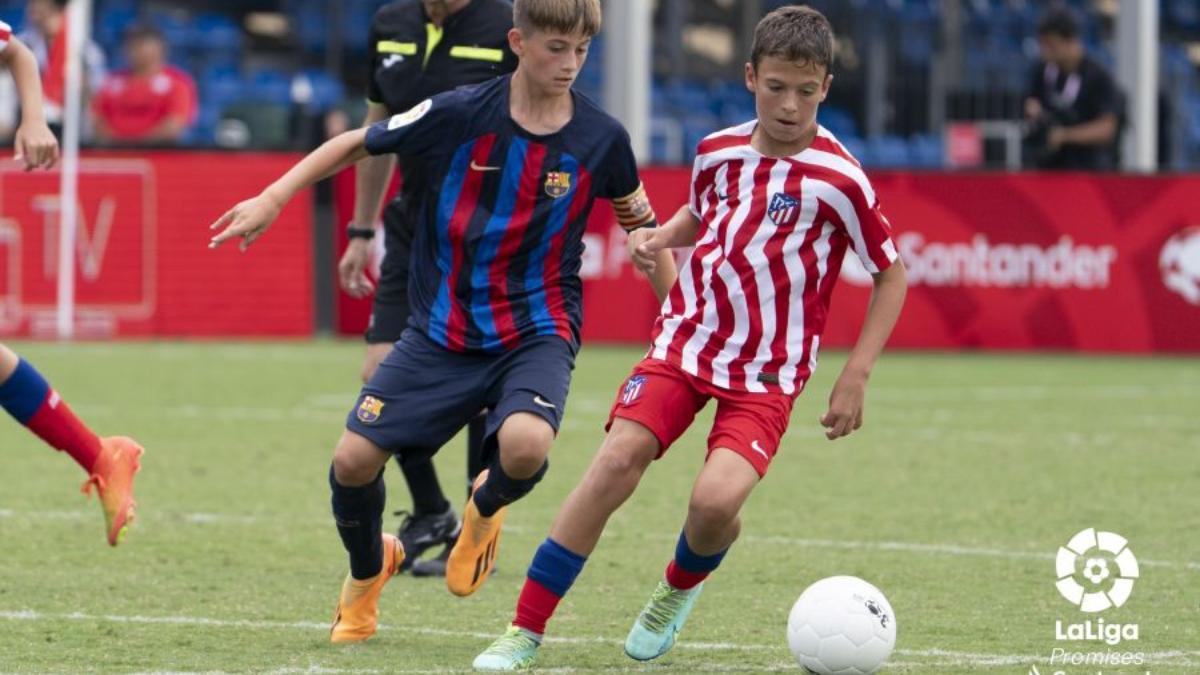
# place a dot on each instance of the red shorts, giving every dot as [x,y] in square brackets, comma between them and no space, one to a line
[665,399]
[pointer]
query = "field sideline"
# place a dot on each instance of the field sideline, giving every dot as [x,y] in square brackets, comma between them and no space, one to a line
[970,472]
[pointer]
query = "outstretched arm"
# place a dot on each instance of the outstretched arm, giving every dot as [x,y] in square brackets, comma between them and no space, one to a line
[849,393]
[34,142]
[251,218]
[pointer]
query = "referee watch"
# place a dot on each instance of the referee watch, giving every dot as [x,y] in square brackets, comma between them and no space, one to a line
[356,231]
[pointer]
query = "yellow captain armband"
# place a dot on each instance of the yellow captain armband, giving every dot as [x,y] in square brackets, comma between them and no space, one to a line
[633,210]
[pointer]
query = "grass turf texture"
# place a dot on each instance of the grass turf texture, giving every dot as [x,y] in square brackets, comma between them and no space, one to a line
[969,474]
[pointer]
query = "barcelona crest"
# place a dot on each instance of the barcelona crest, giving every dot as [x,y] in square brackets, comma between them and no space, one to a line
[784,210]
[369,409]
[558,183]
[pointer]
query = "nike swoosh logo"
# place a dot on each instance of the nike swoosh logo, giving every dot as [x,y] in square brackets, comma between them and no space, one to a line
[755,447]
[543,402]
[477,167]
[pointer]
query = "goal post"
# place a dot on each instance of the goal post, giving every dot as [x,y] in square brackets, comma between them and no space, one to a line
[79,22]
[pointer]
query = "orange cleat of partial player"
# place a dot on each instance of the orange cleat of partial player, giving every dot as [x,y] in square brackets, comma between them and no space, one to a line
[358,605]
[474,554]
[112,476]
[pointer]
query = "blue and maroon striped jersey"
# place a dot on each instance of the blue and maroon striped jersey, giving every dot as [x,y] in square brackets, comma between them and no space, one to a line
[497,248]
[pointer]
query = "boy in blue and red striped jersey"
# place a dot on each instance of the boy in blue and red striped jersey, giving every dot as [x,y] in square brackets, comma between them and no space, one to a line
[515,165]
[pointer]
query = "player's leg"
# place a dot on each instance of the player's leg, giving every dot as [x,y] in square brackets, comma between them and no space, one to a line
[652,409]
[745,434]
[110,462]
[526,395]
[358,499]
[413,403]
[523,441]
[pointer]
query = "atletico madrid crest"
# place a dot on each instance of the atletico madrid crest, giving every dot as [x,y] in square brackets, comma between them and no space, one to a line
[633,389]
[784,210]
[369,409]
[558,183]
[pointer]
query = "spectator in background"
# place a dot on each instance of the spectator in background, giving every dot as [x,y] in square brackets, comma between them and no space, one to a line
[152,101]
[1074,107]
[45,35]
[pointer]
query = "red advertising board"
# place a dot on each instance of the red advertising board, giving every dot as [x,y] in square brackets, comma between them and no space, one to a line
[141,263]
[996,261]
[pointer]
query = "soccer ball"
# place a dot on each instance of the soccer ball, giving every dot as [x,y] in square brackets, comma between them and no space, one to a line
[841,626]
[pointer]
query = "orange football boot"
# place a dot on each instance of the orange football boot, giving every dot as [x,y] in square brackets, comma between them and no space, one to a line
[474,553]
[358,605]
[112,476]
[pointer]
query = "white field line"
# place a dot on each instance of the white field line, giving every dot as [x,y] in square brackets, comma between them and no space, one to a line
[772,540]
[1175,657]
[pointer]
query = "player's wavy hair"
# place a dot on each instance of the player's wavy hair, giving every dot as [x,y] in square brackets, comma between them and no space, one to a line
[794,33]
[560,16]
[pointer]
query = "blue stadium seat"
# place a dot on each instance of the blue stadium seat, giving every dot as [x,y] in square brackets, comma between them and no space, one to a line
[888,151]
[110,28]
[216,32]
[221,87]
[687,96]
[1182,15]
[856,147]
[927,151]
[175,29]
[838,121]
[695,127]
[309,23]
[326,91]
[271,86]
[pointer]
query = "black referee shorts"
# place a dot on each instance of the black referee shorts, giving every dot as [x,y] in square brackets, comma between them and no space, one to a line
[390,311]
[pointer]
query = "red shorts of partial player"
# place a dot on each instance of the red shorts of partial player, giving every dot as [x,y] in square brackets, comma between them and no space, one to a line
[665,399]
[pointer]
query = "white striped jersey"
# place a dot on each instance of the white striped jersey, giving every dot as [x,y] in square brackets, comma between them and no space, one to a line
[750,305]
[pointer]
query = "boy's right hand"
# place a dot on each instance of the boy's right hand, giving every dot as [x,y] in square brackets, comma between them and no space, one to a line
[644,248]
[36,146]
[248,220]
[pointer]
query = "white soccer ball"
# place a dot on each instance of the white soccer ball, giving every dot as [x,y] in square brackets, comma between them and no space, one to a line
[841,626]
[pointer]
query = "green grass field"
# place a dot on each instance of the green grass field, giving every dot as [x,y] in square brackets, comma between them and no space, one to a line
[970,472]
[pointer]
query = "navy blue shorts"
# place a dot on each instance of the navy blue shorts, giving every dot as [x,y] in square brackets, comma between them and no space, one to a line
[423,393]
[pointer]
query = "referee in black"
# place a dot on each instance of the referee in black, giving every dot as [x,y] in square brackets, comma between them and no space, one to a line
[418,48]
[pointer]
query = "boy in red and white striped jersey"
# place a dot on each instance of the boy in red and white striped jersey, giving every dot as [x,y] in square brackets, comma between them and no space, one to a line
[775,203]
[24,394]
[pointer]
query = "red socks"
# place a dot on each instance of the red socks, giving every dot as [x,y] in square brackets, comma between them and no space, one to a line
[535,607]
[683,579]
[57,425]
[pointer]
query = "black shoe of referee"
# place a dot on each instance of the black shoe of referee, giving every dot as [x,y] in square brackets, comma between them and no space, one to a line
[421,531]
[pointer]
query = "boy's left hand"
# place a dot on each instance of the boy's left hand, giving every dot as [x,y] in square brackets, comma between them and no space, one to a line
[846,402]
[36,146]
[643,249]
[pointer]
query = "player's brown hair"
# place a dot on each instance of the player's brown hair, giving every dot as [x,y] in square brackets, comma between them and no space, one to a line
[794,33]
[560,16]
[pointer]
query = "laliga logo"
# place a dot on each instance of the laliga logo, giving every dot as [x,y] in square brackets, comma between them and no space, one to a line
[1088,554]
[1104,562]
[1180,264]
